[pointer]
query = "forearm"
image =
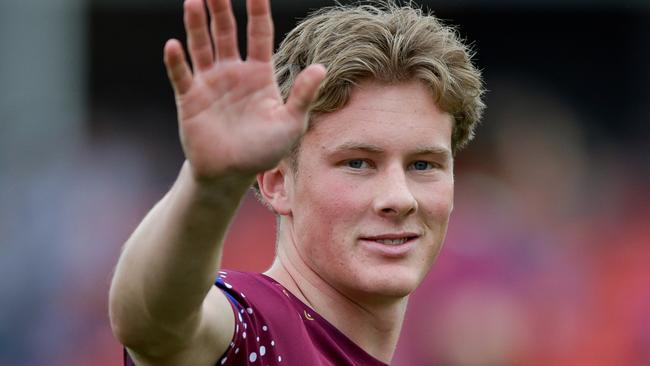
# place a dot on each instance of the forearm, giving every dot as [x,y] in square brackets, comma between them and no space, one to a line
[168,264]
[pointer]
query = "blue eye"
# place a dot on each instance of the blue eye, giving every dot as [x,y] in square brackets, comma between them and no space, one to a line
[422,165]
[357,164]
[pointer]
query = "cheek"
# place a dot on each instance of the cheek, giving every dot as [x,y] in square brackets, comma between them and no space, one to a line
[437,206]
[332,213]
[334,196]
[319,205]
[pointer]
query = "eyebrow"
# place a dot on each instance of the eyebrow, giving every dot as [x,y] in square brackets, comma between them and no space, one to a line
[369,148]
[434,150]
[359,147]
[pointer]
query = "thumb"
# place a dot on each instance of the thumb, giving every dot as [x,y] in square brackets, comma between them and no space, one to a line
[303,91]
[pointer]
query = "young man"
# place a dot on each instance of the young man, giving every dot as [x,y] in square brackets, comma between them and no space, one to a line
[356,161]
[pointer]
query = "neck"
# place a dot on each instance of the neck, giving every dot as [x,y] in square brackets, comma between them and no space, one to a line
[373,322]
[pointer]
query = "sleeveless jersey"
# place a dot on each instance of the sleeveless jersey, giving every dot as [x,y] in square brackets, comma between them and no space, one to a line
[275,328]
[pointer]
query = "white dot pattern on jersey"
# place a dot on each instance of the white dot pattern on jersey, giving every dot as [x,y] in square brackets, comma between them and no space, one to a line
[261,351]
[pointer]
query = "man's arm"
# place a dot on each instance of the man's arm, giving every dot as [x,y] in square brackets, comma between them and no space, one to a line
[233,124]
[158,303]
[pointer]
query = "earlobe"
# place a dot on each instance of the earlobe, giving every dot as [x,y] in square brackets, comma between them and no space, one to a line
[273,185]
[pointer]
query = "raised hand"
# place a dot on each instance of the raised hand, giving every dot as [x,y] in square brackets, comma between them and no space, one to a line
[232,119]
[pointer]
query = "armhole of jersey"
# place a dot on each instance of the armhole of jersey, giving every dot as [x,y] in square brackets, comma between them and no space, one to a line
[234,306]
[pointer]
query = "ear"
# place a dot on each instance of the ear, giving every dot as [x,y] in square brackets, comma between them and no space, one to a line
[275,186]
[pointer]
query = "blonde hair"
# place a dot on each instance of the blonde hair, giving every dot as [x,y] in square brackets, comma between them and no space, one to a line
[388,43]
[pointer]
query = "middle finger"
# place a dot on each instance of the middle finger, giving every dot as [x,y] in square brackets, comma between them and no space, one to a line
[224,29]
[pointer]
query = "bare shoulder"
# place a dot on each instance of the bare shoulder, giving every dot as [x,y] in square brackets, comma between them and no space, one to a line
[206,345]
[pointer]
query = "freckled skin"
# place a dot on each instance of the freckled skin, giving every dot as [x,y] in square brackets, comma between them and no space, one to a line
[340,196]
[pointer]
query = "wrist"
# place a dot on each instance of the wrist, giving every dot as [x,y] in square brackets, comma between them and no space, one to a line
[221,189]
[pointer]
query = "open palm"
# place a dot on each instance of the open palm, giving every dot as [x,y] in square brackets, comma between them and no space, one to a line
[232,119]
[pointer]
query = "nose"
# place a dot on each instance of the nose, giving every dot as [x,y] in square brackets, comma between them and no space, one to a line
[393,197]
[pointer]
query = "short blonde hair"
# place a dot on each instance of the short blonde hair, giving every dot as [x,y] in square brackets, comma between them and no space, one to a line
[388,43]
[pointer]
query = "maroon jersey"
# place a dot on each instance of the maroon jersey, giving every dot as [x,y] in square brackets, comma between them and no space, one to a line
[274,328]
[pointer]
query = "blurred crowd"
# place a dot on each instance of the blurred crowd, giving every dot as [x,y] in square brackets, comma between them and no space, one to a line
[547,258]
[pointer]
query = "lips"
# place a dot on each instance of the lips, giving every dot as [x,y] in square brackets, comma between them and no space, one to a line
[390,246]
[391,239]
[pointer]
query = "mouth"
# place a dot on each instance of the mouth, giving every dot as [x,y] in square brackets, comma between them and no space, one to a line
[392,239]
[391,246]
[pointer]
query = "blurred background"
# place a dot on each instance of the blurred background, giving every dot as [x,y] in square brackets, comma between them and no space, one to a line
[547,259]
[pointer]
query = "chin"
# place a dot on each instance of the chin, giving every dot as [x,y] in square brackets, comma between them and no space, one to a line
[391,284]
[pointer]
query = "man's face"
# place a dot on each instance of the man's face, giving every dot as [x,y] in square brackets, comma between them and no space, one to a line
[373,191]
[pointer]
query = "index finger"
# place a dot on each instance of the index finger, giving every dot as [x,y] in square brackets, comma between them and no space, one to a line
[260,30]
